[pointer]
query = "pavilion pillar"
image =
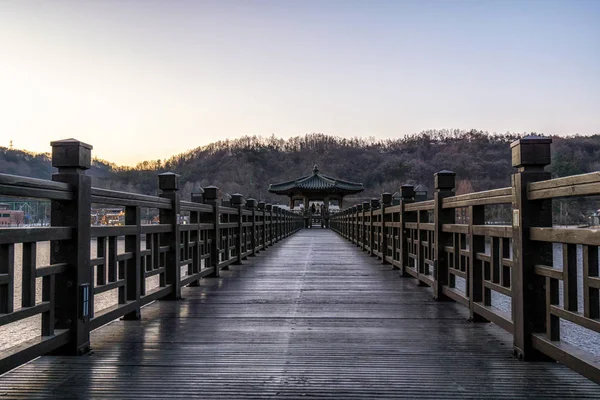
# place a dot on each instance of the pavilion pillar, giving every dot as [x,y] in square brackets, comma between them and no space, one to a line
[291,202]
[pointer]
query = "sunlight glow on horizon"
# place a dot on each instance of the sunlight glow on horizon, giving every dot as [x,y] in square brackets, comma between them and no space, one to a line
[143,80]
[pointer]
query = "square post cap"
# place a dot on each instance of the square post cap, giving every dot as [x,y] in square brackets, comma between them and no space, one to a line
[168,181]
[237,199]
[366,205]
[211,193]
[420,195]
[268,207]
[71,153]
[374,203]
[358,207]
[251,204]
[444,180]
[198,196]
[386,198]
[531,151]
[261,205]
[407,192]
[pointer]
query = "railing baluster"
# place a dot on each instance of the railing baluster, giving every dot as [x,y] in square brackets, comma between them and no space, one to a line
[591,295]
[48,294]
[133,270]
[29,259]
[476,266]
[7,266]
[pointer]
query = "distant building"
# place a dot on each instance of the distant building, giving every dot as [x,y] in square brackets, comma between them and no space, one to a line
[108,216]
[10,217]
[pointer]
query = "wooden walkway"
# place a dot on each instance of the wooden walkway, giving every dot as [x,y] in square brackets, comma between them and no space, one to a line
[312,317]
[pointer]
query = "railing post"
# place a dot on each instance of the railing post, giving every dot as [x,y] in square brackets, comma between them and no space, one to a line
[251,205]
[196,218]
[386,201]
[276,227]
[348,221]
[263,233]
[444,183]
[134,272]
[365,208]
[277,220]
[269,210]
[281,213]
[277,212]
[72,311]
[352,223]
[408,196]
[211,197]
[237,201]
[358,227]
[529,155]
[168,183]
[372,227]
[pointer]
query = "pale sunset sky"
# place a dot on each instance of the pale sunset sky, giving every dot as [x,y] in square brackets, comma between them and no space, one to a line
[146,79]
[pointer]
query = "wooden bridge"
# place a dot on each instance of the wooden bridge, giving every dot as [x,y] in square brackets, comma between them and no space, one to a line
[251,305]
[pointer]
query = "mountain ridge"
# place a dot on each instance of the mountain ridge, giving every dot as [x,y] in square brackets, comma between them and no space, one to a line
[248,164]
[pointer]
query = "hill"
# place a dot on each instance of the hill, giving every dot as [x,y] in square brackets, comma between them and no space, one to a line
[247,165]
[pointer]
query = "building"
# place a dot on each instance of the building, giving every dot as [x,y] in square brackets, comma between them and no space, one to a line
[316,187]
[10,217]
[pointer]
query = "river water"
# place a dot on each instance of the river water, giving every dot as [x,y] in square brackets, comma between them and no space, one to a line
[18,332]
[576,335]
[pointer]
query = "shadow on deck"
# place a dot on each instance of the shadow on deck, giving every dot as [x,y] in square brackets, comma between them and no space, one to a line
[312,317]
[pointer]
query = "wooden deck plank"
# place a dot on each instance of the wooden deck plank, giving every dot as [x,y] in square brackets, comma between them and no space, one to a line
[312,317]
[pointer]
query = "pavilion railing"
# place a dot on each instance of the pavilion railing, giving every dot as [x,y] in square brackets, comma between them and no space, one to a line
[471,262]
[136,263]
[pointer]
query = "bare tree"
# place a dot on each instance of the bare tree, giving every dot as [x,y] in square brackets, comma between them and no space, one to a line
[17,218]
[463,186]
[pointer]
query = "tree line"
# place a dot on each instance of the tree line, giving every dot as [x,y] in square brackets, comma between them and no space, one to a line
[248,164]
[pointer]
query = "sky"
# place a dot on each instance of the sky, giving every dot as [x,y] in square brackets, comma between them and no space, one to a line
[147,79]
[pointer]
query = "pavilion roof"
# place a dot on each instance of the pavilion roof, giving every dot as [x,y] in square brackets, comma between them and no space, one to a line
[316,182]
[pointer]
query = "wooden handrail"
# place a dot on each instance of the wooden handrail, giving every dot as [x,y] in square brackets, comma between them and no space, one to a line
[513,260]
[214,238]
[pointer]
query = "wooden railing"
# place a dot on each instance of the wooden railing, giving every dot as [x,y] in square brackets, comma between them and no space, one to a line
[514,261]
[216,236]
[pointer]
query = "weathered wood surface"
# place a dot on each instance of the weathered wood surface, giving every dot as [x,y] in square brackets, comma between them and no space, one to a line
[312,317]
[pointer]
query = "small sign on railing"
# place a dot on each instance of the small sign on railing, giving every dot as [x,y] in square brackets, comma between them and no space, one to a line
[84,295]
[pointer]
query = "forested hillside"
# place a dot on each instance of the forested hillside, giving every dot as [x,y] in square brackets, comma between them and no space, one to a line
[247,165]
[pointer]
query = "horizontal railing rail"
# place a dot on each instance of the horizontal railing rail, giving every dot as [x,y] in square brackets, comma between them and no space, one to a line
[135,262]
[471,262]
